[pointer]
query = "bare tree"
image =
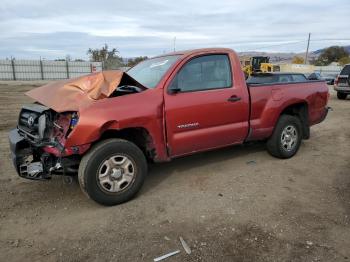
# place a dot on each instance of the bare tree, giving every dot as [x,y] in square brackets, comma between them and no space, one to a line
[109,58]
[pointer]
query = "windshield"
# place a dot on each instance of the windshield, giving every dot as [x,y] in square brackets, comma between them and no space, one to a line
[151,71]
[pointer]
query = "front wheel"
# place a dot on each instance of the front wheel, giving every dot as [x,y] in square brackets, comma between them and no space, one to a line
[112,172]
[286,138]
[341,96]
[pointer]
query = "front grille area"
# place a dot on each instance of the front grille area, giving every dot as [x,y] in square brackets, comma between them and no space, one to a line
[28,121]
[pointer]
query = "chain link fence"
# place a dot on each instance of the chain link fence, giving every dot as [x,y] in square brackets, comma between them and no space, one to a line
[12,69]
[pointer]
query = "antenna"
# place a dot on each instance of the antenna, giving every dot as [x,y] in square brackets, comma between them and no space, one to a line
[307,49]
[174,43]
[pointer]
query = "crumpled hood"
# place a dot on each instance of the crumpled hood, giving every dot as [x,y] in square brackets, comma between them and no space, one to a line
[71,94]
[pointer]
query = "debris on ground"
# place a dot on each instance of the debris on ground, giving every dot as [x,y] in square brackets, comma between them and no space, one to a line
[15,243]
[166,238]
[166,256]
[68,180]
[185,246]
[250,162]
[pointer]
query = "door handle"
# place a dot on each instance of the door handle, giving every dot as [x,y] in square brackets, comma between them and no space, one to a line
[234,99]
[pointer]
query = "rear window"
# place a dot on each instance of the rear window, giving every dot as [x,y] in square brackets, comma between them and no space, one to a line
[299,78]
[278,78]
[285,79]
[262,79]
[345,70]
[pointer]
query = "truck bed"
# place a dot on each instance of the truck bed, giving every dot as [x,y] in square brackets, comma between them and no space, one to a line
[268,101]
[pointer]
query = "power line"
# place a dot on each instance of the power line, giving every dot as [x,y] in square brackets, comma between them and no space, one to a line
[297,42]
[276,45]
[330,39]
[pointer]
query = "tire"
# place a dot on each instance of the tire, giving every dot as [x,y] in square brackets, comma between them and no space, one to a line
[280,144]
[341,96]
[118,162]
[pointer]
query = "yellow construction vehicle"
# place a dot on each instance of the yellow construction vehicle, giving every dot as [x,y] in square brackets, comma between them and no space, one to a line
[258,64]
[268,67]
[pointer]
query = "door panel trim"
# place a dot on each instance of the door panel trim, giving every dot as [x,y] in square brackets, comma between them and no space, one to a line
[189,137]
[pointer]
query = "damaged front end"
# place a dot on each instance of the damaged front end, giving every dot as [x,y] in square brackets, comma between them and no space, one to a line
[37,144]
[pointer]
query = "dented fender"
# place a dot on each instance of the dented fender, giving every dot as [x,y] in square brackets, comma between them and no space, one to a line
[116,113]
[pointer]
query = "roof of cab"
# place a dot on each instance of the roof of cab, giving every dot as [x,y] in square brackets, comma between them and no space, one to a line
[200,50]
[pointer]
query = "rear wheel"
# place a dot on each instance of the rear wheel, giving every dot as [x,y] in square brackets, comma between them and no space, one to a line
[286,138]
[112,172]
[341,96]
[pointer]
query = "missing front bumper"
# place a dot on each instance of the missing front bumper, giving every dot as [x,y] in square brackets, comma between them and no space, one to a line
[27,164]
[32,162]
[33,170]
[23,158]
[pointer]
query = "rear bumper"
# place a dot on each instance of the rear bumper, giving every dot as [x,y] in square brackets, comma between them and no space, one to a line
[324,114]
[327,109]
[342,89]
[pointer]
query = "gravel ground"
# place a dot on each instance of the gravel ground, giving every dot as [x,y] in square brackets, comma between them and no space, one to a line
[234,204]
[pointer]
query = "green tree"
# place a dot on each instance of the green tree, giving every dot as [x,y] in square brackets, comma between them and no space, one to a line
[297,60]
[331,54]
[136,60]
[110,58]
[344,60]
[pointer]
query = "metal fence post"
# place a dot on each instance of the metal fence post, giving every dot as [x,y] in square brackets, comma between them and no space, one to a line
[67,69]
[41,69]
[90,67]
[13,68]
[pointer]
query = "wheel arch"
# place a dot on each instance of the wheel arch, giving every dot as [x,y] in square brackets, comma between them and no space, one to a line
[140,136]
[300,110]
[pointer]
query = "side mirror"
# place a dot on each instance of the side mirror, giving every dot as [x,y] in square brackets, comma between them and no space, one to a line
[174,86]
[174,90]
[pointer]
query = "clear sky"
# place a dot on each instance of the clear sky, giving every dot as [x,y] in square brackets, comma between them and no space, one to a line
[54,29]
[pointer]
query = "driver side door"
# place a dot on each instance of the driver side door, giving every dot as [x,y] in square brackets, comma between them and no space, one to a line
[208,110]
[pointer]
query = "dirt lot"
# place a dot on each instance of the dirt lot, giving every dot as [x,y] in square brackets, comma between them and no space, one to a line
[235,204]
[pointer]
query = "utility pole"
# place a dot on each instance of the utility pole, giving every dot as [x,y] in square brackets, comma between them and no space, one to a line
[307,49]
[174,43]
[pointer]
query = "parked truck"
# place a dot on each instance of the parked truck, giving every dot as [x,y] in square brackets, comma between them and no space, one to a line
[342,83]
[108,126]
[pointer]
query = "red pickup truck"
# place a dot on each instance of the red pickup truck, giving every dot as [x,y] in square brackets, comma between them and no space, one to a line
[107,126]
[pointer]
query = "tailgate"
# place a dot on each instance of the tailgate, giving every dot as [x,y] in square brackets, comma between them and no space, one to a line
[343,80]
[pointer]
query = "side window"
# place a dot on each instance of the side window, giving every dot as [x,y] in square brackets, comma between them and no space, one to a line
[205,72]
[299,78]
